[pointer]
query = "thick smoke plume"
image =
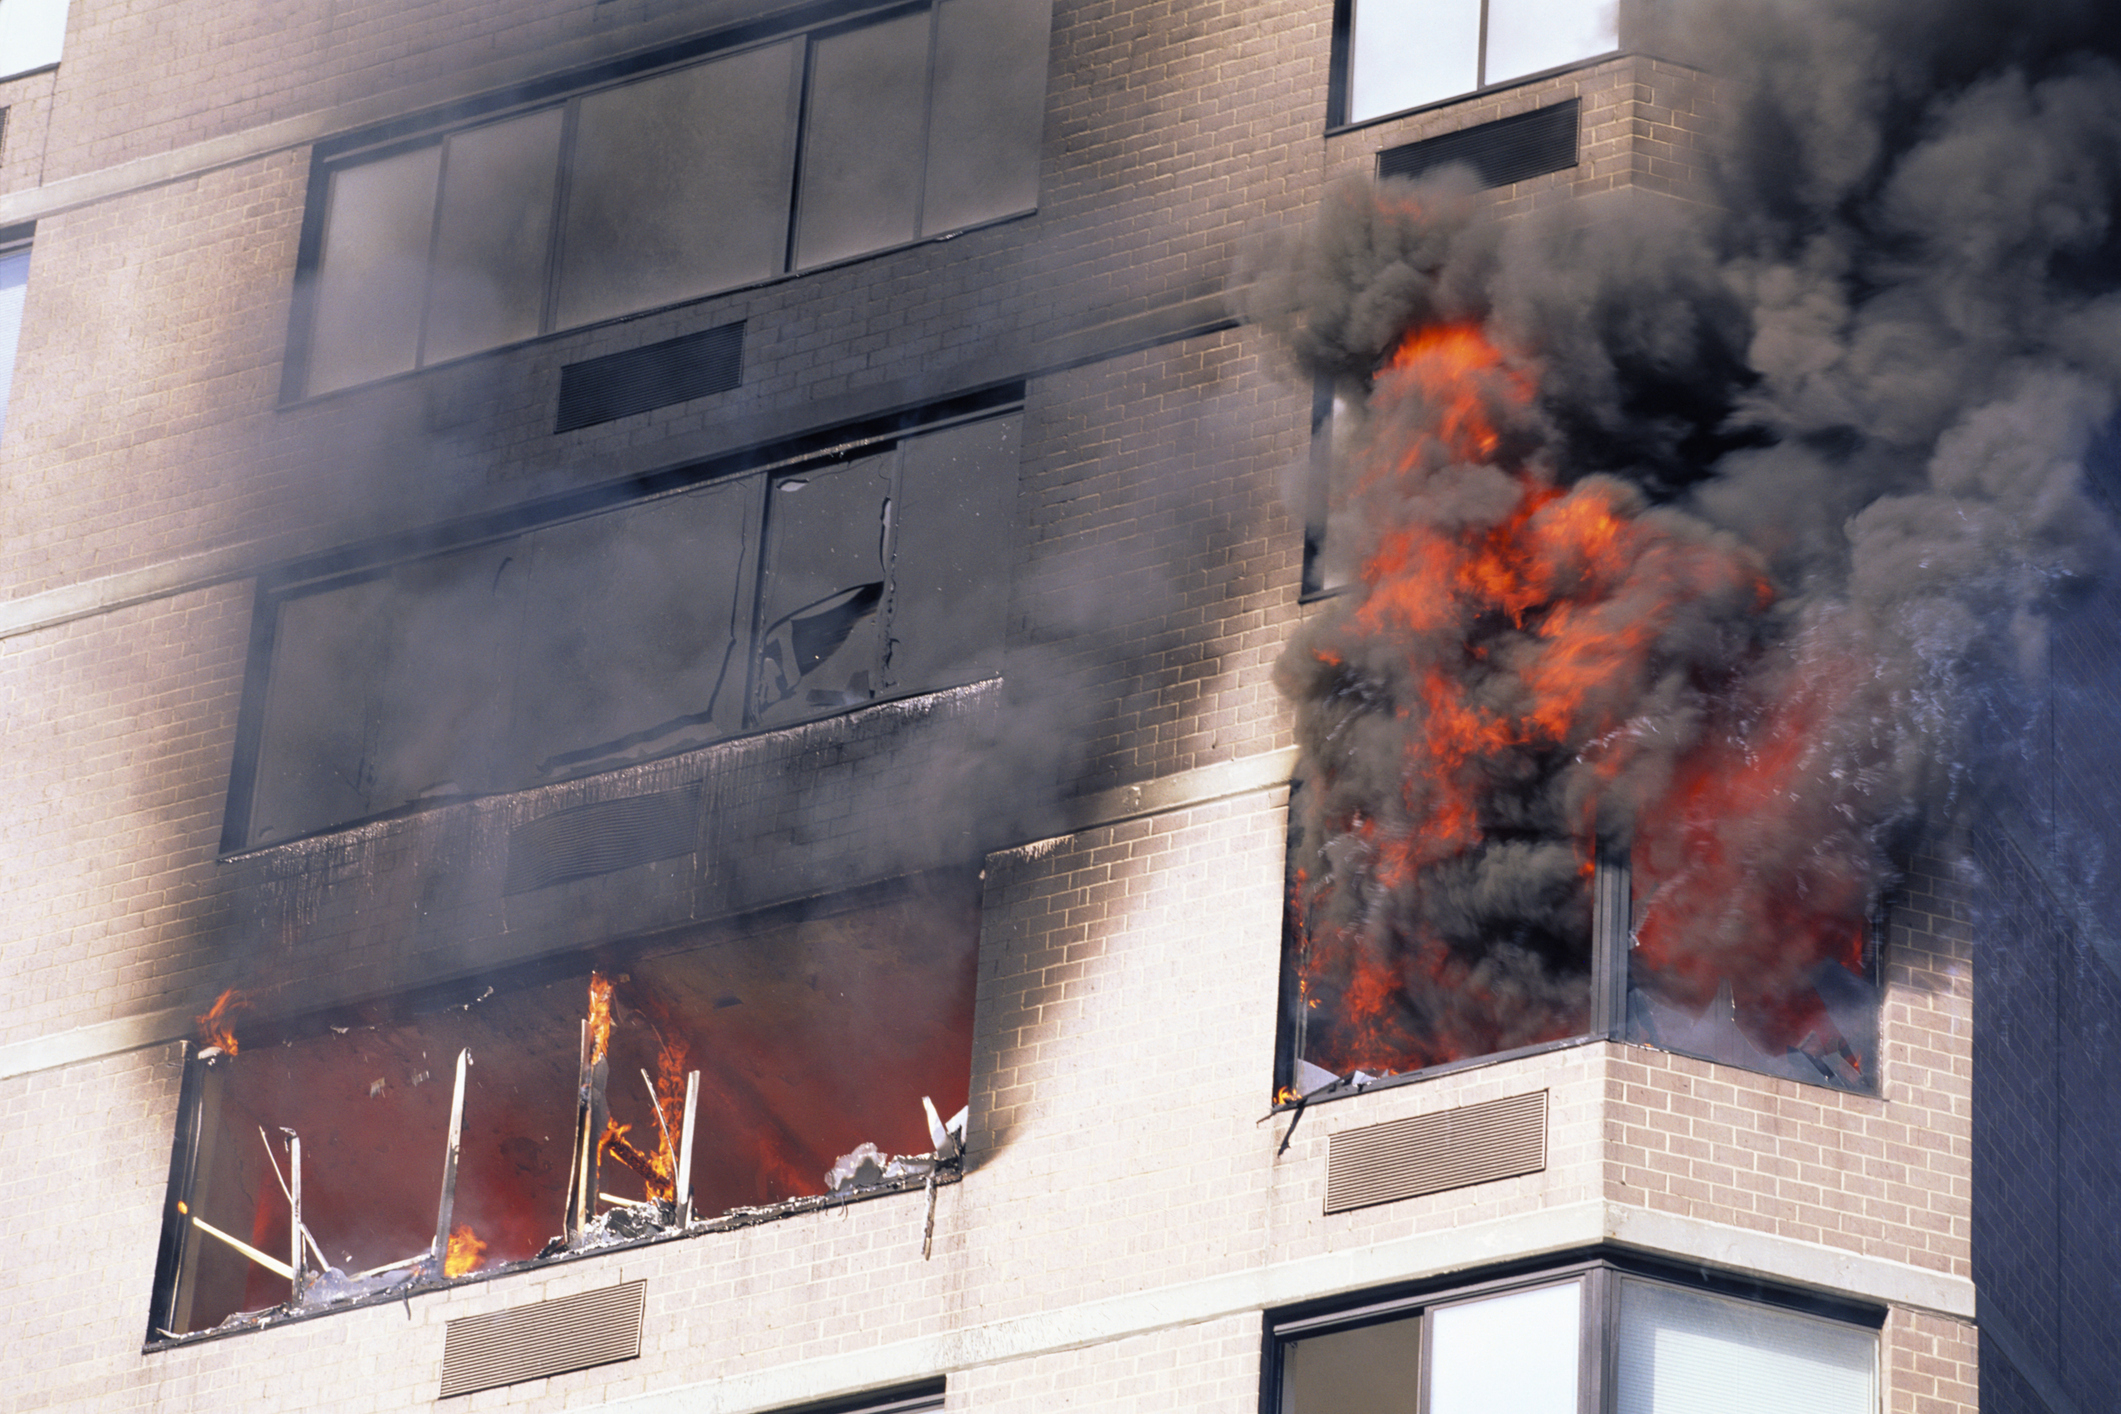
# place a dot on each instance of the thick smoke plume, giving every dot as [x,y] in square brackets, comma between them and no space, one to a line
[1721,529]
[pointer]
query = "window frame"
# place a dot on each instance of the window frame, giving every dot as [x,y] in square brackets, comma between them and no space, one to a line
[766,465]
[1339,87]
[1600,1269]
[806,24]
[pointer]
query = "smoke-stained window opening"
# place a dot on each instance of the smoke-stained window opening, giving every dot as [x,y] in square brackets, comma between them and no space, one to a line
[677,618]
[1393,55]
[1363,1007]
[688,1083]
[768,156]
[1603,1334]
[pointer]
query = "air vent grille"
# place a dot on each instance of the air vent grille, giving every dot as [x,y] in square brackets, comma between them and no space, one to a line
[640,380]
[1504,151]
[1431,1153]
[550,1338]
[602,838]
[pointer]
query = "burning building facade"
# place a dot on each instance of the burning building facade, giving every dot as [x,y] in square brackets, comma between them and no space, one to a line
[951,705]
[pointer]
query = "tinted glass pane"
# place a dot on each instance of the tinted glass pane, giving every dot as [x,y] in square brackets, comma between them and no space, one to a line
[630,634]
[862,144]
[1514,1354]
[823,603]
[680,185]
[1409,52]
[441,692]
[1525,36]
[950,581]
[494,232]
[1371,1370]
[31,34]
[988,111]
[373,270]
[1687,1352]
[313,757]
[14,287]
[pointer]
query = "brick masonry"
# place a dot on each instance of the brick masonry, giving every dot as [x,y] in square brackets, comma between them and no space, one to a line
[1126,1216]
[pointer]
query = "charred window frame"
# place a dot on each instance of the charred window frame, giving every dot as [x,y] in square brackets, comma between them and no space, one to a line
[1608,1334]
[1827,1020]
[634,621]
[693,1082]
[1393,56]
[749,154]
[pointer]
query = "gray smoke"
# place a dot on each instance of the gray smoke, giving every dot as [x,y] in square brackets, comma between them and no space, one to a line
[1873,361]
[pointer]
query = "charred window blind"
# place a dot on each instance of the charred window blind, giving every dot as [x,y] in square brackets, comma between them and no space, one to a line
[1401,54]
[1505,151]
[654,627]
[649,189]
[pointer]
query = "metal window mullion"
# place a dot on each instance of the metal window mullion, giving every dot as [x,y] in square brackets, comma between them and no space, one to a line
[1597,1358]
[434,242]
[1480,69]
[762,592]
[562,191]
[894,510]
[920,185]
[1425,1326]
[802,136]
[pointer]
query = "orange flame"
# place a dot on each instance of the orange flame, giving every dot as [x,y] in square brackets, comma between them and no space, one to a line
[599,1017]
[465,1252]
[214,1025]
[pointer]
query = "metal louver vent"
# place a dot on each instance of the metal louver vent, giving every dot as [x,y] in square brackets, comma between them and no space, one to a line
[1430,1153]
[640,380]
[550,1338]
[602,838]
[1504,151]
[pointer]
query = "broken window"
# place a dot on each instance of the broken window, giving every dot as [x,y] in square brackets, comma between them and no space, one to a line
[642,630]
[1367,995]
[1600,1337]
[1402,54]
[700,1082]
[913,122]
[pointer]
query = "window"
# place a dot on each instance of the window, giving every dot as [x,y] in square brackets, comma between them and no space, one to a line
[14,287]
[1401,54]
[773,1066]
[1594,1338]
[31,34]
[876,569]
[758,161]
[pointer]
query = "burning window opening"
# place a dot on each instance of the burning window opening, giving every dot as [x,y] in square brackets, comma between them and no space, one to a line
[1523,678]
[662,625]
[690,1084]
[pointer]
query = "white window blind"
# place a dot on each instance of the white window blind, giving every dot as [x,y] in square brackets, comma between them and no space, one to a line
[1688,1352]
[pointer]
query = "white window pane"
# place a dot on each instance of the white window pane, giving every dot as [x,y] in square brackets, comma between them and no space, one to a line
[31,34]
[862,140]
[1369,1370]
[1687,1352]
[1525,36]
[493,235]
[950,568]
[821,611]
[14,287]
[988,112]
[679,185]
[1514,1354]
[631,631]
[1410,52]
[372,274]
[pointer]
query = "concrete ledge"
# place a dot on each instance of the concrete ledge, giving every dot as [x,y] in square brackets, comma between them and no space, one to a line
[1441,1253]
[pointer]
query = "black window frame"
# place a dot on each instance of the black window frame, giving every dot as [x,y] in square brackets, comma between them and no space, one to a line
[346,565]
[1341,81]
[810,23]
[1600,1269]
